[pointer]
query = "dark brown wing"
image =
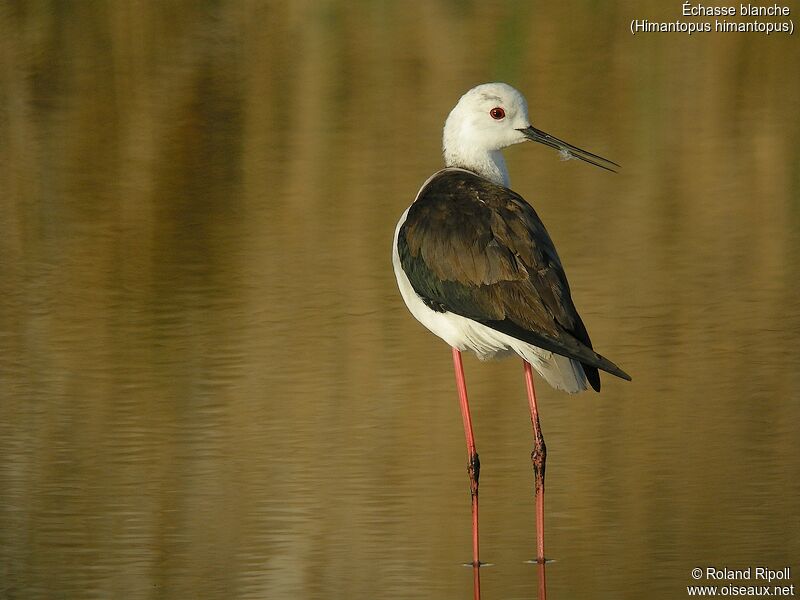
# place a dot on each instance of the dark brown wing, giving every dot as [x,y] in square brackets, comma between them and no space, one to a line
[477,249]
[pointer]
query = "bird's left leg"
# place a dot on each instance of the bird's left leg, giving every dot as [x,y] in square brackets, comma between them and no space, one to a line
[539,459]
[473,464]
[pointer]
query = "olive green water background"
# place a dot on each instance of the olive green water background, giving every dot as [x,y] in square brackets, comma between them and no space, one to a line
[210,387]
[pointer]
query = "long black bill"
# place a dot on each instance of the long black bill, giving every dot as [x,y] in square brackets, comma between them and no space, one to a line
[568,150]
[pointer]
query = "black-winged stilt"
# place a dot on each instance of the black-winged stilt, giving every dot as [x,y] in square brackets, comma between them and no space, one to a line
[476,266]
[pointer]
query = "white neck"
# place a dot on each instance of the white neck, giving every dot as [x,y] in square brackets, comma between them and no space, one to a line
[489,164]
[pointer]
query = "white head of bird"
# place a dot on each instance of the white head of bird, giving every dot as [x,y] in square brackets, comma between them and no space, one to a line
[493,116]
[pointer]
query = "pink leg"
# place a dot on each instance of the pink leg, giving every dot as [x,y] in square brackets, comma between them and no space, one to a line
[473,464]
[538,458]
[542,581]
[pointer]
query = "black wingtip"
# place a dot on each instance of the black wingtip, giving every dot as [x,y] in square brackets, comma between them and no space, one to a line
[592,376]
[610,367]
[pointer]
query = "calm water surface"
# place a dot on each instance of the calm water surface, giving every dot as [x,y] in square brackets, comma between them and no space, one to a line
[210,385]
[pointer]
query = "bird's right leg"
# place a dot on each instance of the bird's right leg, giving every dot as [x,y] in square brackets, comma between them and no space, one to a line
[539,459]
[473,464]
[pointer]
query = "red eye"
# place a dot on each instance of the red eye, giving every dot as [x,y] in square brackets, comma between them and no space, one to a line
[497,113]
